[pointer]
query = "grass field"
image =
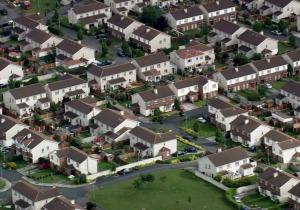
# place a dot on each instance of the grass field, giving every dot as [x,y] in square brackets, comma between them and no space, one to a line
[41,6]
[179,190]
[257,200]
[204,129]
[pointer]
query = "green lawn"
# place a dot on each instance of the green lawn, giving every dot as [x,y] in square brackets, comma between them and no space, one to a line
[49,176]
[256,200]
[278,84]
[41,6]
[204,129]
[179,190]
[103,166]
[283,48]
[200,103]
[2,184]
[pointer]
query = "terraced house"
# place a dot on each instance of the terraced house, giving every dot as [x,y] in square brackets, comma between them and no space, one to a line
[91,14]
[293,59]
[9,70]
[185,19]
[122,6]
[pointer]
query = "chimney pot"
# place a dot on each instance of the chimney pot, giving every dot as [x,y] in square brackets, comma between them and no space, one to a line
[275,174]
[268,60]
[155,91]
[246,121]
[219,150]
[29,135]
[122,112]
[218,3]
[2,120]
[236,69]
[185,10]
[73,202]
[148,30]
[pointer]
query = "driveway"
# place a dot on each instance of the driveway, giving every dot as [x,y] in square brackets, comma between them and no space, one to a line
[189,106]
[12,12]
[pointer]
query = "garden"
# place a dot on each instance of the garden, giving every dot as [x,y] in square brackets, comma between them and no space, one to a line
[256,200]
[168,190]
[198,129]
[254,95]
[49,176]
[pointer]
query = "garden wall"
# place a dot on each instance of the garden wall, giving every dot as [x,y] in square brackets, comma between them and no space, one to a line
[128,166]
[246,189]
[211,180]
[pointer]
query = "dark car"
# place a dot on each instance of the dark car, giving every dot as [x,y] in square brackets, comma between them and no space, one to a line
[101,36]
[190,150]
[189,138]
[3,12]
[124,171]
[121,53]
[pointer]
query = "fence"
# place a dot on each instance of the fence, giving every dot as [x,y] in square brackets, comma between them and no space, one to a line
[211,180]
[128,166]
[246,189]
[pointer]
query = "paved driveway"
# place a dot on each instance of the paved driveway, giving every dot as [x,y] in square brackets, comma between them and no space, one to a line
[189,106]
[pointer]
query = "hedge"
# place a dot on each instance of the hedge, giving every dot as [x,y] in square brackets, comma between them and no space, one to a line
[181,139]
[229,195]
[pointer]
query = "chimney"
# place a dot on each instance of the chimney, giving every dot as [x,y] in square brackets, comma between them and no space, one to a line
[2,120]
[268,60]
[236,69]
[275,174]
[262,33]
[122,18]
[122,112]
[219,150]
[155,91]
[72,202]
[185,10]
[218,3]
[246,121]
[29,135]
[79,41]
[148,30]
[92,96]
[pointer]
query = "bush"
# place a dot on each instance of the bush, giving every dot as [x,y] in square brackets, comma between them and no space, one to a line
[11,165]
[229,195]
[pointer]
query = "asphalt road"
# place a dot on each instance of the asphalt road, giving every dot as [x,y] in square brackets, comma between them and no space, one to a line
[12,12]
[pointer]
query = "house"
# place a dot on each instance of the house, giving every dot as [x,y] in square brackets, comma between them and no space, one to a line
[252,5]
[226,33]
[153,67]
[81,111]
[73,161]
[293,59]
[147,143]
[146,102]
[270,69]
[224,117]
[294,197]
[248,131]
[26,196]
[251,42]
[67,87]
[71,54]
[9,127]
[193,56]
[280,118]
[24,24]
[196,88]
[185,19]
[232,163]
[121,26]
[276,184]
[40,43]
[33,145]
[90,14]
[150,39]
[23,100]
[233,79]
[280,9]
[217,10]
[114,125]
[122,6]
[112,76]
[214,105]
[9,70]
[290,93]
[62,202]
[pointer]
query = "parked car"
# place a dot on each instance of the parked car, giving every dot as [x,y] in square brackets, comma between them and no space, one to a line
[101,36]
[189,138]
[269,86]
[276,33]
[190,150]
[121,53]
[124,171]
[179,153]
[202,120]
[3,12]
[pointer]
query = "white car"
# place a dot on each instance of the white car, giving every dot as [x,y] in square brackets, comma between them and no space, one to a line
[202,120]
[269,86]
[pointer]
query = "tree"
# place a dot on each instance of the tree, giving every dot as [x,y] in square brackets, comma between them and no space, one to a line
[157,117]
[161,24]
[90,205]
[37,119]
[147,178]
[126,49]
[240,59]
[55,16]
[292,40]
[80,34]
[196,127]
[268,21]
[257,56]
[104,49]
[150,15]
[290,70]
[282,26]
[257,26]
[177,104]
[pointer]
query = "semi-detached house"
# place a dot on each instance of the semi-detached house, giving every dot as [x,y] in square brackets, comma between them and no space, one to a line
[185,19]
[150,39]
[90,14]
[293,59]
[68,86]
[112,76]
[9,70]
[290,93]
[236,78]
[153,67]
[121,26]
[294,197]
[23,100]
[62,203]
[146,102]
[122,6]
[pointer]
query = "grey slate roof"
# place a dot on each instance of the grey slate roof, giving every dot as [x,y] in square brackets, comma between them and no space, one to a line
[26,91]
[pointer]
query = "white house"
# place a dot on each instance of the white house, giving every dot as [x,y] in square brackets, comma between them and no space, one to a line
[226,33]
[291,93]
[236,78]
[280,9]
[193,89]
[81,111]
[293,59]
[68,86]
[147,143]
[40,43]
[251,42]
[62,203]
[9,70]
[71,54]
[248,131]
[294,197]
[25,99]
[217,10]
[233,163]
[186,18]
[9,127]
[146,102]
[112,76]
[122,6]
[193,56]
[252,4]
[73,161]
[26,196]
[33,145]
[90,14]
[153,67]
[113,125]
[276,184]
[150,39]
[121,26]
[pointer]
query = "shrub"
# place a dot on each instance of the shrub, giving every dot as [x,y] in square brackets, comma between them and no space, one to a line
[229,195]
[11,165]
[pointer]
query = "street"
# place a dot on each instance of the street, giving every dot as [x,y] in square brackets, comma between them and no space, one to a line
[12,12]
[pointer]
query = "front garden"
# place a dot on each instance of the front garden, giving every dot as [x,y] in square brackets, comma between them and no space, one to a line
[198,129]
[258,201]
